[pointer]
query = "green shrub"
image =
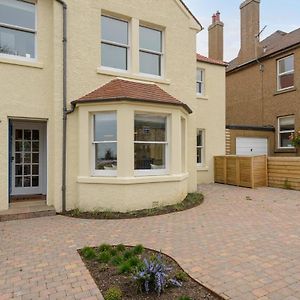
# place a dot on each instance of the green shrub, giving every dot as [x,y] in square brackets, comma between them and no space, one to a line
[104,247]
[184,298]
[134,261]
[104,257]
[120,248]
[128,254]
[113,293]
[181,276]
[138,249]
[113,252]
[125,268]
[88,253]
[117,260]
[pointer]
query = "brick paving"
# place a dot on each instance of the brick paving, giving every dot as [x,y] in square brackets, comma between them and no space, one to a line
[244,244]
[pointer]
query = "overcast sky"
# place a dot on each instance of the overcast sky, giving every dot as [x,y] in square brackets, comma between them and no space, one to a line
[276,14]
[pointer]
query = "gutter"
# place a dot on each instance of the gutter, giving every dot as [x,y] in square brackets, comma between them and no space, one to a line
[64,146]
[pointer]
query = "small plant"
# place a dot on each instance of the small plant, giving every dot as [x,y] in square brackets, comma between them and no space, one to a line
[295,139]
[113,252]
[134,261]
[88,253]
[185,298]
[138,249]
[128,254]
[181,276]
[120,248]
[104,257]
[287,185]
[125,268]
[105,247]
[117,260]
[154,276]
[75,212]
[113,293]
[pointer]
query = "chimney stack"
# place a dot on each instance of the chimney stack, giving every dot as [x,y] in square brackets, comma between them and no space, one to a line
[216,38]
[250,26]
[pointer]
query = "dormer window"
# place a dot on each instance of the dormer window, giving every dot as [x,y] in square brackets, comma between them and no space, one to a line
[18,28]
[285,73]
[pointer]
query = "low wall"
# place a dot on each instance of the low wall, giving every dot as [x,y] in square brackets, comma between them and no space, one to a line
[284,172]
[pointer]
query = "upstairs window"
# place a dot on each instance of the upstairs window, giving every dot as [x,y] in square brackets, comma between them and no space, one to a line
[200,82]
[200,147]
[114,43]
[105,143]
[150,143]
[18,28]
[285,73]
[286,126]
[151,51]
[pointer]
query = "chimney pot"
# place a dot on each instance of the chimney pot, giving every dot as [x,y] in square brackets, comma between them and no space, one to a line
[214,19]
[218,19]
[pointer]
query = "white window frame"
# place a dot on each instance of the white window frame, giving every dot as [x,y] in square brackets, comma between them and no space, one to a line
[161,54]
[202,147]
[111,43]
[101,173]
[201,82]
[284,131]
[155,172]
[284,73]
[24,29]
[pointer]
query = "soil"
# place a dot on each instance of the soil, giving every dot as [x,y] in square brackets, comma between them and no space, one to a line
[191,201]
[107,276]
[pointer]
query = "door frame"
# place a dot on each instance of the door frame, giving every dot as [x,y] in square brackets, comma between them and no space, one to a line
[30,124]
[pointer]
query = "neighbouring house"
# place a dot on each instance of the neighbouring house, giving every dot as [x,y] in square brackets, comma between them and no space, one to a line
[263,93]
[105,105]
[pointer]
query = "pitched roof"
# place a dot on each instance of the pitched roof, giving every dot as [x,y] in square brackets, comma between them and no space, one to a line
[189,11]
[276,42]
[120,90]
[205,59]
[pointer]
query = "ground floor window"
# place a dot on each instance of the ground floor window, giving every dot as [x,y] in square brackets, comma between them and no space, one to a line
[105,143]
[286,127]
[200,147]
[150,143]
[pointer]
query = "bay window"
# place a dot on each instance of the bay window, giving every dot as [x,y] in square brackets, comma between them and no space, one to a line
[114,43]
[286,127]
[151,51]
[18,28]
[105,143]
[285,73]
[200,147]
[150,143]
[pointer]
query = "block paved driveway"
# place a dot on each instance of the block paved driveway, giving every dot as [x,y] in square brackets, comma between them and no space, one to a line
[243,244]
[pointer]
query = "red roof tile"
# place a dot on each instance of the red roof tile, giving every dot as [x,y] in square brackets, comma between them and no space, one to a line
[120,89]
[205,59]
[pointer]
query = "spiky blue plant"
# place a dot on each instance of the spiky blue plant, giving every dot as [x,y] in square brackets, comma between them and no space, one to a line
[154,276]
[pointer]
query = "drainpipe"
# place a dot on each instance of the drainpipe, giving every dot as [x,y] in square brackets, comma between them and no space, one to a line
[64,146]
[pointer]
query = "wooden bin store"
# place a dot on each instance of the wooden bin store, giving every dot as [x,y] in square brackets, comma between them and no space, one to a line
[244,171]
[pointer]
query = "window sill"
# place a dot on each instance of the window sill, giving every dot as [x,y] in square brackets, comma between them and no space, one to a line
[117,73]
[21,62]
[132,180]
[292,89]
[285,150]
[201,97]
[202,168]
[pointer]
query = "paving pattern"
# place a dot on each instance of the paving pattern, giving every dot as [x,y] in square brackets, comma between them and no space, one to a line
[244,244]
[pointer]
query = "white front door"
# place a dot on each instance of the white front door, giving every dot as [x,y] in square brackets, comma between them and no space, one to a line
[28,158]
[251,146]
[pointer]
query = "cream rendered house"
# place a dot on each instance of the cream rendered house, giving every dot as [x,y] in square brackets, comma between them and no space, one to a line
[103,104]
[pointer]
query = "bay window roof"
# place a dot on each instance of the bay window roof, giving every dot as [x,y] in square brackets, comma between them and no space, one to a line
[121,90]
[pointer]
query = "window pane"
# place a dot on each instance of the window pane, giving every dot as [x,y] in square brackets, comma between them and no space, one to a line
[199,75]
[199,156]
[149,156]
[114,56]
[105,127]
[287,123]
[150,128]
[285,140]
[150,63]
[15,42]
[114,30]
[150,39]
[18,13]
[286,64]
[286,81]
[199,138]
[199,87]
[106,156]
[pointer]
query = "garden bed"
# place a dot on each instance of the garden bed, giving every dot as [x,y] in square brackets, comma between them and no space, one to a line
[192,200]
[114,269]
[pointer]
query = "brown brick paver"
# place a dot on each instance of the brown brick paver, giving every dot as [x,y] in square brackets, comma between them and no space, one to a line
[242,249]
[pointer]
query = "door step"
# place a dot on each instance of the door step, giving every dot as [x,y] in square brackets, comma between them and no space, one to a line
[27,210]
